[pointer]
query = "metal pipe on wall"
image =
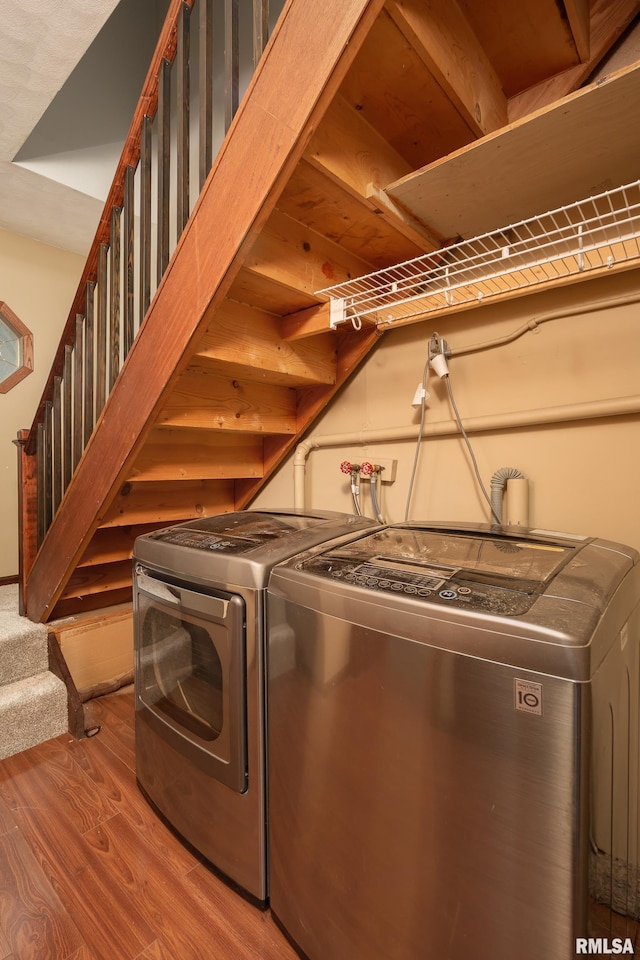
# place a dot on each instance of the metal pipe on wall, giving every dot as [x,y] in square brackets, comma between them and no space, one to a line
[531,325]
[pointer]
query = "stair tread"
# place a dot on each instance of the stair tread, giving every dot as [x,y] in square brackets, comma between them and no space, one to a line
[35,685]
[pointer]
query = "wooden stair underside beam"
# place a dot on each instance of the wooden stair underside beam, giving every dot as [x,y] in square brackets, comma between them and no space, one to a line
[608,20]
[451,51]
[318,198]
[247,344]
[353,348]
[293,256]
[179,454]
[169,502]
[209,402]
[113,545]
[265,142]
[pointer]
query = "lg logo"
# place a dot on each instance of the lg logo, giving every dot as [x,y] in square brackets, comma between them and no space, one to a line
[531,700]
[528,696]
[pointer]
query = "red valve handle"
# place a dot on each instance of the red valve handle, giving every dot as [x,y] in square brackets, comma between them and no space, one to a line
[367,468]
[345,466]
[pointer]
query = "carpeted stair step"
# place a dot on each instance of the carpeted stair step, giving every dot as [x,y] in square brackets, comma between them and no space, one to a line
[32,709]
[23,644]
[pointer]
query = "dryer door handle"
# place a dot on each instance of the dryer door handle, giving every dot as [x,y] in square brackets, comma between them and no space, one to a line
[157,588]
[212,607]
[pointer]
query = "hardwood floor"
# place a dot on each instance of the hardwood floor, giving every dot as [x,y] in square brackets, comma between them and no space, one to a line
[88,872]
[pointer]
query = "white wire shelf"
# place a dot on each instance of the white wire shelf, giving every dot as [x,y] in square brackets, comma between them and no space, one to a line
[602,231]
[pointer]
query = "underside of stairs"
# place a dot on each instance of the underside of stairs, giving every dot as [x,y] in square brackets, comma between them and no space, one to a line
[236,358]
[33,701]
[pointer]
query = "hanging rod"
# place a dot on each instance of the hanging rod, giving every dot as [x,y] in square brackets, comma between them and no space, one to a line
[598,232]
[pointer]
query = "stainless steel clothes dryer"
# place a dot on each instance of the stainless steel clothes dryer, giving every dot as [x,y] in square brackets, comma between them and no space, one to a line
[453,744]
[199,620]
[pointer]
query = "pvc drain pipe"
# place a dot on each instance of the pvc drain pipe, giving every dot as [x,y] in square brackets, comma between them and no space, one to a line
[568,413]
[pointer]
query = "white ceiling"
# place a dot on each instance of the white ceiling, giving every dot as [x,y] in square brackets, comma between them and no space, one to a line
[66,128]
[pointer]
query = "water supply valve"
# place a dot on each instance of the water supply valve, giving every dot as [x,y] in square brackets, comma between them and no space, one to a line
[347,467]
[368,469]
[385,469]
[353,469]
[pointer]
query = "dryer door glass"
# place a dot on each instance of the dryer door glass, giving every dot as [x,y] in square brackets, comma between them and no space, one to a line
[182,672]
[190,673]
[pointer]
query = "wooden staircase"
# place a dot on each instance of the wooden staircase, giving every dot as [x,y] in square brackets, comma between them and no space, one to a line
[234,358]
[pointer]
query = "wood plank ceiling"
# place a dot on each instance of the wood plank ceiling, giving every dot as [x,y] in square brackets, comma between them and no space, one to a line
[414,81]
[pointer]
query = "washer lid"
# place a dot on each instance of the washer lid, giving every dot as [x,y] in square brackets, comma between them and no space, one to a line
[525,560]
[483,591]
[414,552]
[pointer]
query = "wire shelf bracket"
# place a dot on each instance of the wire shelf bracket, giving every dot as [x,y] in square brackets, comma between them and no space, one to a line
[599,232]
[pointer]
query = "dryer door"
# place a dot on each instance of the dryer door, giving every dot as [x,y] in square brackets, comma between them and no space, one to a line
[190,673]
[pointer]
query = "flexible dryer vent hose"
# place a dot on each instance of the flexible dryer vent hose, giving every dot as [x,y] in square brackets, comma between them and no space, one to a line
[498,482]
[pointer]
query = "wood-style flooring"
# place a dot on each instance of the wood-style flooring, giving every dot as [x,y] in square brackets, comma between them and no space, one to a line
[88,872]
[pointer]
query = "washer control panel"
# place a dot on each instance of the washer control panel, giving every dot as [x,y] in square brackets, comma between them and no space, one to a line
[406,578]
[435,584]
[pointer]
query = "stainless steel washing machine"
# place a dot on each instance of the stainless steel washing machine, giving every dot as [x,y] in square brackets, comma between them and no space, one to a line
[453,744]
[199,621]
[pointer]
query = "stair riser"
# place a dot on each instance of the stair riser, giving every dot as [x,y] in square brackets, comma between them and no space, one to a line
[31,711]
[23,654]
[23,644]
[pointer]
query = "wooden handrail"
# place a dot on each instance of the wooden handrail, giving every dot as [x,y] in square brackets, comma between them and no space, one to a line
[147,106]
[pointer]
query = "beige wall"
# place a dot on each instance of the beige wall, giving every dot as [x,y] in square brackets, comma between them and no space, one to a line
[38,282]
[583,476]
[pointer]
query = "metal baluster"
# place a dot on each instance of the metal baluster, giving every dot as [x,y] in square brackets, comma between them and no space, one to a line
[163,161]
[183,109]
[48,465]
[206,88]
[231,61]
[77,390]
[101,330]
[88,420]
[114,296]
[67,443]
[145,217]
[129,258]
[41,441]
[57,443]
[260,29]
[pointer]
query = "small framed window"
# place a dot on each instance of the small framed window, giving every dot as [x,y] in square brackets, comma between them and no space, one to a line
[16,349]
